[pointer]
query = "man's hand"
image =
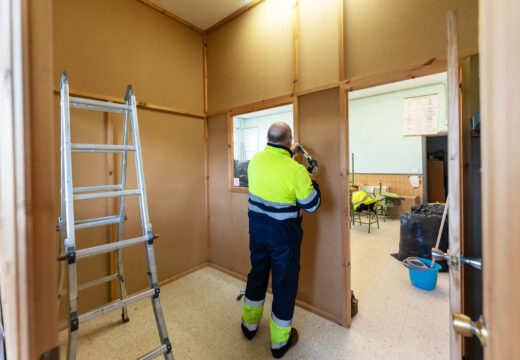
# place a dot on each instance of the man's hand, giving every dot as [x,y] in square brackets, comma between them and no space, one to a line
[312,176]
[293,147]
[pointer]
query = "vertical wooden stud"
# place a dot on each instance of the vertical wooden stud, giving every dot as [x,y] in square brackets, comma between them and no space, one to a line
[341,45]
[206,145]
[296,120]
[345,213]
[295,35]
[111,203]
[454,178]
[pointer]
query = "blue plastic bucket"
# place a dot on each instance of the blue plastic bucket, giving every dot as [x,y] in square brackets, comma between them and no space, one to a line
[427,279]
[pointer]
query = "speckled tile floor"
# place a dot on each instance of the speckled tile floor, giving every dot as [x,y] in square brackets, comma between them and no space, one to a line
[395,320]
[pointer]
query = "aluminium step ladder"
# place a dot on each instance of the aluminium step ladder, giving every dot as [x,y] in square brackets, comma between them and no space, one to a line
[68,225]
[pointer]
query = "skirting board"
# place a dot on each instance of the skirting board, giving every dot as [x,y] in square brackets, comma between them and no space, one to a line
[302,304]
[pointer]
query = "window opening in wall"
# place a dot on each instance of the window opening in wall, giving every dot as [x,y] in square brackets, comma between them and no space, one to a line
[250,137]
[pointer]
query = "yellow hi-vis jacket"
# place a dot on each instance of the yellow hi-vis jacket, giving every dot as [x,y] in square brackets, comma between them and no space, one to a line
[279,186]
[361,197]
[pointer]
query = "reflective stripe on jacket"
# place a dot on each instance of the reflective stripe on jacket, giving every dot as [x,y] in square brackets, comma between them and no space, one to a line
[279,186]
[361,197]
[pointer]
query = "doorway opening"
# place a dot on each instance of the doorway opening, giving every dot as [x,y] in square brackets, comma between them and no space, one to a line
[391,130]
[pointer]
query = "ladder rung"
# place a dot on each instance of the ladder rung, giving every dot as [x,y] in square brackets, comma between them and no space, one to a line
[154,353]
[97,188]
[89,104]
[98,281]
[114,305]
[101,249]
[88,223]
[93,283]
[107,194]
[100,148]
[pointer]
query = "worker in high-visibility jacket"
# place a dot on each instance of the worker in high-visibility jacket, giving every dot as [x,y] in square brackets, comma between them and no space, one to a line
[364,201]
[279,187]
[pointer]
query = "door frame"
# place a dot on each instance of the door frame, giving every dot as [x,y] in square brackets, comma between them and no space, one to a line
[28,210]
[438,66]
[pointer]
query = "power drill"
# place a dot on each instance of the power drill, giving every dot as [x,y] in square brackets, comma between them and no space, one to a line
[313,163]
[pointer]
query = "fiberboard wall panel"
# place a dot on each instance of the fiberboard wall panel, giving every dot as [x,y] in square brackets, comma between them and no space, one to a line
[384,35]
[173,166]
[321,261]
[318,41]
[104,46]
[321,270]
[229,224]
[250,58]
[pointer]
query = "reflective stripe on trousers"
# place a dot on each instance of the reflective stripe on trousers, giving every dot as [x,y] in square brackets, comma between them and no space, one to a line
[280,332]
[252,313]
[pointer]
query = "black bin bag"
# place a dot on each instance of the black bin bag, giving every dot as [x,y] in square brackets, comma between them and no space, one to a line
[419,230]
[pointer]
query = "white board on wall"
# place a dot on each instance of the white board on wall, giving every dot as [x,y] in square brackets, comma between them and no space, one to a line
[421,115]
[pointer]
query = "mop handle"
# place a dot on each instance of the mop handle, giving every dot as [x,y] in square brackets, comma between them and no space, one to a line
[440,230]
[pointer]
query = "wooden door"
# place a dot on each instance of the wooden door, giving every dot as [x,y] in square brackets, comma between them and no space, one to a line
[499,43]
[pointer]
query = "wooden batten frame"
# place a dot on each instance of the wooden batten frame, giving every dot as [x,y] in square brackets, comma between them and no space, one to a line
[28,268]
[173,16]
[261,105]
[15,254]
[341,43]
[206,144]
[216,113]
[140,104]
[296,120]
[295,40]
[111,203]
[234,15]
[205,71]
[423,68]
[345,213]
[454,178]
[206,187]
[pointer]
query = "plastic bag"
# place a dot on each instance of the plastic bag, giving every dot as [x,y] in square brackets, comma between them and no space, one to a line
[428,209]
[419,230]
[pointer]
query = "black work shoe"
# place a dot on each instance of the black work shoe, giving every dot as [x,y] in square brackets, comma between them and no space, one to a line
[247,333]
[293,340]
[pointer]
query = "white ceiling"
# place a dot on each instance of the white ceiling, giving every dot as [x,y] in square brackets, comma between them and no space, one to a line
[202,13]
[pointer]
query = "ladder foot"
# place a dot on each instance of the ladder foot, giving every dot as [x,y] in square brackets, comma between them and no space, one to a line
[125,318]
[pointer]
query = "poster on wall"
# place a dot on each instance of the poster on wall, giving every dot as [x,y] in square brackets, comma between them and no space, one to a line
[421,115]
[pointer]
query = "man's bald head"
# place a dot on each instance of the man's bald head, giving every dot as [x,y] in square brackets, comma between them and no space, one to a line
[280,133]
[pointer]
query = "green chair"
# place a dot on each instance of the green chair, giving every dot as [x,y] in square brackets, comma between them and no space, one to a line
[371,215]
[387,202]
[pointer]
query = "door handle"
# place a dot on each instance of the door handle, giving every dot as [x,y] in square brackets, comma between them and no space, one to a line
[453,261]
[438,255]
[473,262]
[464,326]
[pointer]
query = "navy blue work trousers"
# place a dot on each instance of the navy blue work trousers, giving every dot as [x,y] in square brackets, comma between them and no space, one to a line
[275,247]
